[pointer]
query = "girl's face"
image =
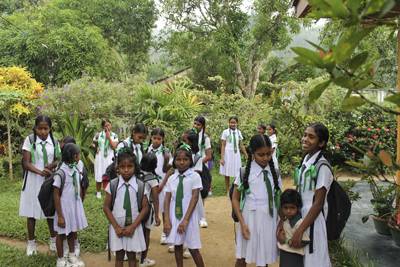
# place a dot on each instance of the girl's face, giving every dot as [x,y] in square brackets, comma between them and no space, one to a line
[185,139]
[107,126]
[126,168]
[182,161]
[198,126]
[138,138]
[263,155]
[233,124]
[270,131]
[156,140]
[77,157]
[289,210]
[310,142]
[260,130]
[42,130]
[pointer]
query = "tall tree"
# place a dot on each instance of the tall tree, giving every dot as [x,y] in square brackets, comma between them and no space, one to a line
[238,37]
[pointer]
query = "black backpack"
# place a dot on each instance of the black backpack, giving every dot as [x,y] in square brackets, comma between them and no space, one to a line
[206,177]
[46,197]
[339,208]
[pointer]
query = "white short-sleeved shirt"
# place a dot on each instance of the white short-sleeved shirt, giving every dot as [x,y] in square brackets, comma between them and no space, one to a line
[68,189]
[198,166]
[150,185]
[137,148]
[160,159]
[258,196]
[191,181]
[274,140]
[207,143]
[114,138]
[38,154]
[227,135]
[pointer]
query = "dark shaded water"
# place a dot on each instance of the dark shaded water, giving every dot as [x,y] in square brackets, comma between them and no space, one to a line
[363,237]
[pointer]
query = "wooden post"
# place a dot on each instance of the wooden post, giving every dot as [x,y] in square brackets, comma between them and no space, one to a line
[398,125]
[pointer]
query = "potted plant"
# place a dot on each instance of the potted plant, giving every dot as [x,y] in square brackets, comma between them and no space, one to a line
[394,222]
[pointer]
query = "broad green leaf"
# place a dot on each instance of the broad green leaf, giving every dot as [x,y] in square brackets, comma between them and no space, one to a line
[344,81]
[338,8]
[316,46]
[395,99]
[356,164]
[352,103]
[309,55]
[318,90]
[387,7]
[361,84]
[357,61]
[348,42]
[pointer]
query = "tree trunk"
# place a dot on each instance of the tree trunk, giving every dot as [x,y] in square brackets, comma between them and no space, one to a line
[398,128]
[10,156]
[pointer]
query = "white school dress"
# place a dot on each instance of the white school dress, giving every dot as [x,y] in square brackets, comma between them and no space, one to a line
[261,248]
[320,256]
[274,142]
[29,205]
[149,186]
[136,242]
[232,159]
[159,171]
[191,237]
[71,204]
[104,156]
[207,144]
[137,148]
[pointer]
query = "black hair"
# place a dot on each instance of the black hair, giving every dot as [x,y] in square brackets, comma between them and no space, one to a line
[202,121]
[234,118]
[256,142]
[69,151]
[127,154]
[273,127]
[193,138]
[139,128]
[38,120]
[149,163]
[104,121]
[158,131]
[187,152]
[323,136]
[67,140]
[291,196]
[262,126]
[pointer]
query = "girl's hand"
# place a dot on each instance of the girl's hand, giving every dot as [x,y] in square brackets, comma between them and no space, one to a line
[61,222]
[119,231]
[222,162]
[108,134]
[167,227]
[129,231]
[245,231]
[281,236]
[47,172]
[296,239]
[182,226]
[169,172]
[158,221]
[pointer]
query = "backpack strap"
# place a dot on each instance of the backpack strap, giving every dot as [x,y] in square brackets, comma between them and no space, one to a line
[113,189]
[60,172]
[140,193]
[197,157]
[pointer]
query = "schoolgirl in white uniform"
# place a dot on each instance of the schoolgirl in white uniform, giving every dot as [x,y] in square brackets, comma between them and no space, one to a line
[271,130]
[70,215]
[105,142]
[230,162]
[181,218]
[125,230]
[255,201]
[135,141]
[39,161]
[313,196]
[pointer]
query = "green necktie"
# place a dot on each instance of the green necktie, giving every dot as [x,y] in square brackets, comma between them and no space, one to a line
[44,151]
[269,192]
[179,197]
[127,206]
[234,142]
[137,154]
[74,179]
[106,144]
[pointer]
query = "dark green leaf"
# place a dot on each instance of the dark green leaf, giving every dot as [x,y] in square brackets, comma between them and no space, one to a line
[364,219]
[318,90]
[395,99]
[352,103]
[309,55]
[357,61]
[348,42]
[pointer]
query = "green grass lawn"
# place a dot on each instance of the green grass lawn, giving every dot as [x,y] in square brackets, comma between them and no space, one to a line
[10,256]
[93,238]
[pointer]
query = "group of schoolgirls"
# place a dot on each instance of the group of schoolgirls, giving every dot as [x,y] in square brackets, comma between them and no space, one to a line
[153,168]
[271,223]
[42,157]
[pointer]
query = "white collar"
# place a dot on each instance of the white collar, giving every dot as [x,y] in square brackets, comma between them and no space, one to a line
[310,161]
[257,169]
[69,170]
[48,140]
[187,173]
[151,149]
[132,182]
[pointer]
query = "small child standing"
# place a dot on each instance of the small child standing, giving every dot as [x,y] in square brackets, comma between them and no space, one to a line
[70,216]
[126,209]
[181,222]
[151,179]
[291,210]
[230,162]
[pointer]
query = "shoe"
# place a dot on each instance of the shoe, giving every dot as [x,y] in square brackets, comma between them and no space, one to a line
[31,248]
[163,239]
[147,262]
[203,223]
[98,195]
[52,244]
[62,262]
[65,248]
[75,261]
[186,254]
[125,257]
[77,248]
[171,249]
[210,193]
